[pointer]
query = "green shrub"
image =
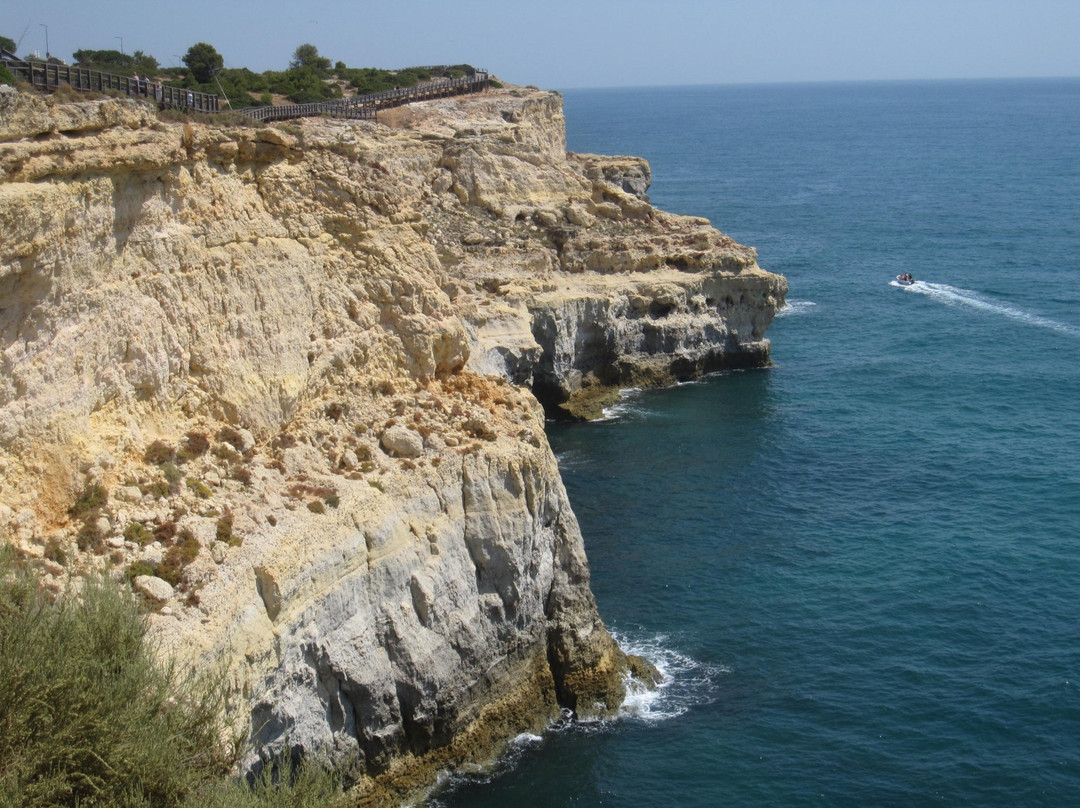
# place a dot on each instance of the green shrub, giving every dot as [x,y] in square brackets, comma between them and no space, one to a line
[54,551]
[139,736]
[199,488]
[159,489]
[137,568]
[316,507]
[138,533]
[196,444]
[89,536]
[171,473]
[165,532]
[177,557]
[93,497]
[159,452]
[6,76]
[302,785]
[224,528]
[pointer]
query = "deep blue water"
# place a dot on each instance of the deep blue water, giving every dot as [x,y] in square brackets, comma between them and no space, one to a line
[861,567]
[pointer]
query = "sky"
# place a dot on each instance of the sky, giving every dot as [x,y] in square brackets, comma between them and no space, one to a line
[567,44]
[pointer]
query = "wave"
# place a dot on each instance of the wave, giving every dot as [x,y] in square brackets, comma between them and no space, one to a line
[953,296]
[624,406]
[793,307]
[687,682]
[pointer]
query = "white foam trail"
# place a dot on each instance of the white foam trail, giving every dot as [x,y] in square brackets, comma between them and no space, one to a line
[793,307]
[953,296]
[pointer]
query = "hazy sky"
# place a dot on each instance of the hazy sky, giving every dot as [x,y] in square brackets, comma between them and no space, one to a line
[563,44]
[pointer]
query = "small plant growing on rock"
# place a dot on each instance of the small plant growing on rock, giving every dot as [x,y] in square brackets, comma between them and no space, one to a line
[159,489]
[54,551]
[199,488]
[171,473]
[159,452]
[177,557]
[93,497]
[137,532]
[224,528]
[196,444]
[137,568]
[89,537]
[316,507]
[165,532]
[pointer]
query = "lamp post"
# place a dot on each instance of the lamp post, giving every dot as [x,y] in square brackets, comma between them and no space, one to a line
[121,44]
[43,25]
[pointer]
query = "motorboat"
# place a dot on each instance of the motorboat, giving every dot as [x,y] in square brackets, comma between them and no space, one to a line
[906,279]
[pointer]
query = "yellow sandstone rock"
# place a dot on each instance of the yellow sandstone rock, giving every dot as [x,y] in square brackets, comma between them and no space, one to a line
[294,371]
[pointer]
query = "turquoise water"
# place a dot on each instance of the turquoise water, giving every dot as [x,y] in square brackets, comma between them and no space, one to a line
[859,567]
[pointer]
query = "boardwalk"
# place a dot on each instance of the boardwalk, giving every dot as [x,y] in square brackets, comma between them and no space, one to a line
[366,106]
[48,75]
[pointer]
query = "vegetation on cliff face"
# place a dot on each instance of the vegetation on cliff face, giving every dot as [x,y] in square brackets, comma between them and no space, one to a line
[88,717]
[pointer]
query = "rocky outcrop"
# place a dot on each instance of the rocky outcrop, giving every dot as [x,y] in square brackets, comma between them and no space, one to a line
[286,374]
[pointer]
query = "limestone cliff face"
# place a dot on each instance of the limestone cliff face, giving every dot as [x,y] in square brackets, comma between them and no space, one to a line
[288,370]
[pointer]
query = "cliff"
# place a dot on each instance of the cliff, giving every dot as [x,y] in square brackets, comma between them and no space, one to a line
[288,379]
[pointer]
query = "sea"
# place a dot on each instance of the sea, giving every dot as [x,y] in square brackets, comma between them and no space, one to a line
[859,569]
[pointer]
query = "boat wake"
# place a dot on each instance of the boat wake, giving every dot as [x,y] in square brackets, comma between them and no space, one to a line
[953,296]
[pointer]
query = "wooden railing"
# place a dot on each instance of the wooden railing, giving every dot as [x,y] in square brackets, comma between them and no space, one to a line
[360,107]
[366,106]
[353,108]
[53,74]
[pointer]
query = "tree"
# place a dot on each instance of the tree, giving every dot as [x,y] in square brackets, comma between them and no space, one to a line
[8,44]
[110,61]
[203,61]
[307,56]
[144,64]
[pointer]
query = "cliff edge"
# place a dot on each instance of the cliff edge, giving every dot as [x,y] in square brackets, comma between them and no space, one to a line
[287,381]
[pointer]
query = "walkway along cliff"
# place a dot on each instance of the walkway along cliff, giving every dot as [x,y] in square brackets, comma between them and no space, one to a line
[283,377]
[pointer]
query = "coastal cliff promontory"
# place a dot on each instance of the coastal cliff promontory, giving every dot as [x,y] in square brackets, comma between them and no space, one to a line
[289,380]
